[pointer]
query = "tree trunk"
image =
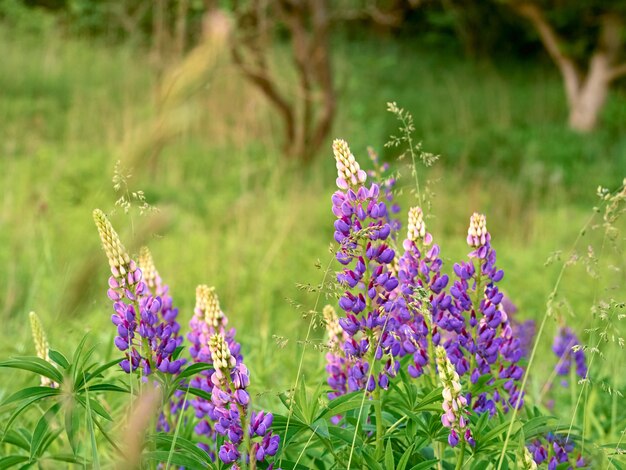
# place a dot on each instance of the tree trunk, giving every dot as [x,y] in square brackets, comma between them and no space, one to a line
[586,105]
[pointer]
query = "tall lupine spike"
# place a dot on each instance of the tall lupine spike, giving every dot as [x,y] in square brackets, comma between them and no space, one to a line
[207,321]
[454,403]
[146,341]
[422,300]
[361,230]
[486,339]
[41,345]
[231,400]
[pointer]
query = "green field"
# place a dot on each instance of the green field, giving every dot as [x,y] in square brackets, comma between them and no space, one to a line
[232,213]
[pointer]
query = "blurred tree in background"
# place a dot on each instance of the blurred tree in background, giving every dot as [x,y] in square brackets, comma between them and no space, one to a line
[585,39]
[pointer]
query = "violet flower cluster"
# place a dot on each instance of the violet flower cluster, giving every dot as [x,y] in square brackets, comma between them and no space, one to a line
[146,339]
[337,364]
[568,354]
[208,320]
[398,306]
[485,343]
[230,400]
[361,230]
[555,449]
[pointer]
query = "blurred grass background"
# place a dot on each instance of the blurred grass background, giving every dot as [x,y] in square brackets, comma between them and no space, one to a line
[234,214]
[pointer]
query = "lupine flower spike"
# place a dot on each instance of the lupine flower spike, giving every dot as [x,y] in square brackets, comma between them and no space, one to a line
[421,300]
[231,400]
[361,229]
[454,403]
[147,342]
[41,345]
[487,338]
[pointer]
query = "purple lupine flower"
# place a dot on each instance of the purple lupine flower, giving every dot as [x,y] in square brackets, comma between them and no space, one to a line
[361,230]
[148,342]
[230,399]
[564,347]
[386,183]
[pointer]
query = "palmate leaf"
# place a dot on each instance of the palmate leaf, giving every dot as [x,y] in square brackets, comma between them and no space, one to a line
[36,365]
[404,460]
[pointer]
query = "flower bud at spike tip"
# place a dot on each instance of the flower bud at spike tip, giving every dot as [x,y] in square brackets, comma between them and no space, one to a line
[416,230]
[220,354]
[148,270]
[118,257]
[208,303]
[477,234]
[349,173]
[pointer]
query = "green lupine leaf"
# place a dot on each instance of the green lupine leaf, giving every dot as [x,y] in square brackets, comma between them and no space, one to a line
[36,365]
[425,465]
[32,392]
[342,404]
[41,430]
[404,460]
[11,460]
[390,463]
[59,358]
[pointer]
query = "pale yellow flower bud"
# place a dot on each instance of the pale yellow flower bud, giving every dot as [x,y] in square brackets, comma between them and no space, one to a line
[118,257]
[220,353]
[148,269]
[208,305]
[41,344]
[349,172]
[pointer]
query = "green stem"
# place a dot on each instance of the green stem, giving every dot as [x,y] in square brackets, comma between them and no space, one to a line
[459,462]
[439,455]
[379,423]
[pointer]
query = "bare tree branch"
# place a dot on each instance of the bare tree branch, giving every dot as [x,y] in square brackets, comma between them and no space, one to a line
[552,42]
[617,71]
